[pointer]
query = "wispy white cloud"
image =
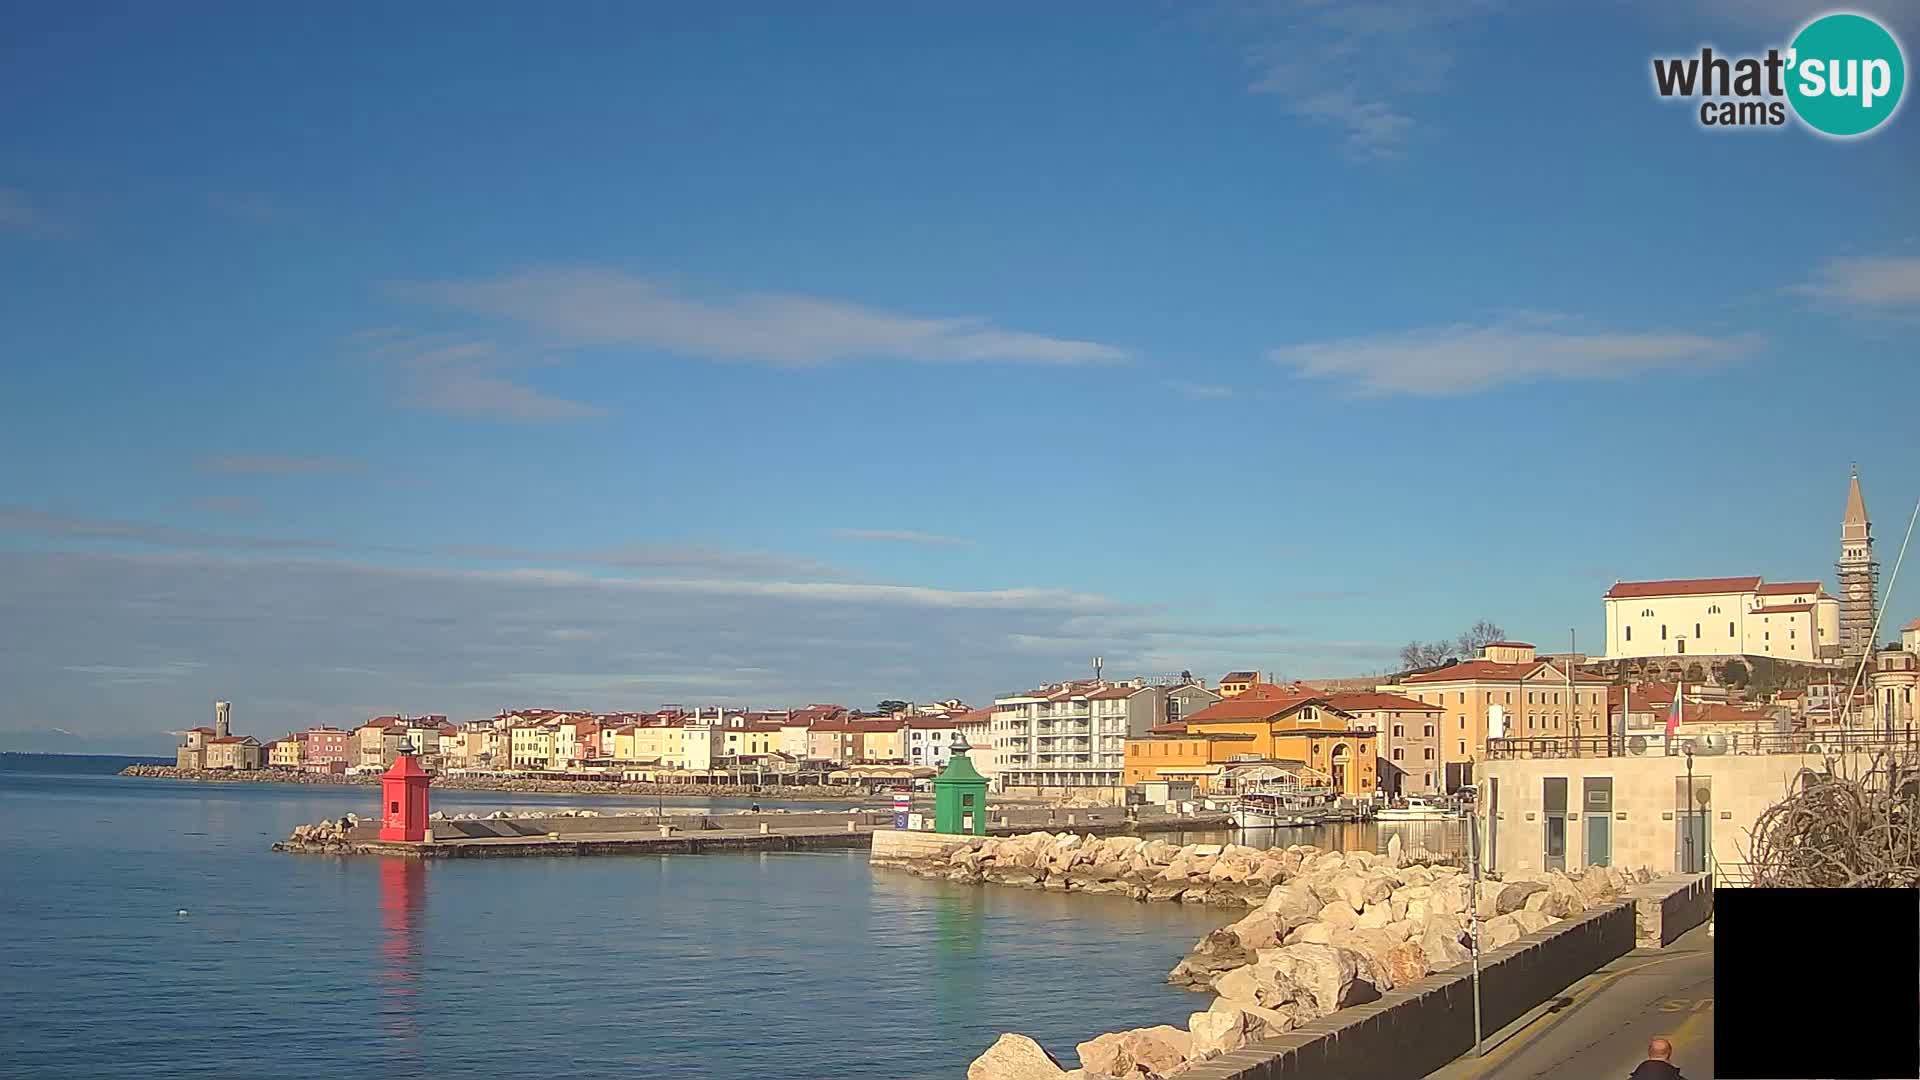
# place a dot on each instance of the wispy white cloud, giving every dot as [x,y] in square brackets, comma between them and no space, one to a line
[17,211]
[276,465]
[1464,358]
[1358,68]
[460,392]
[1886,282]
[898,536]
[583,306]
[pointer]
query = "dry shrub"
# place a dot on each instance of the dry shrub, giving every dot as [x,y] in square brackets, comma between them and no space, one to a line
[1843,828]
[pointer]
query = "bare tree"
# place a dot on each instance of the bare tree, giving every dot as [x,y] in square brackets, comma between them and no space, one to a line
[1479,636]
[1426,654]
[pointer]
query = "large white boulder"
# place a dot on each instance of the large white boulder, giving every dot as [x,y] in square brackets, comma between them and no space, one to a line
[1155,1050]
[1015,1057]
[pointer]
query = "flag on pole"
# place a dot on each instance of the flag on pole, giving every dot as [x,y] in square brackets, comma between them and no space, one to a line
[1673,714]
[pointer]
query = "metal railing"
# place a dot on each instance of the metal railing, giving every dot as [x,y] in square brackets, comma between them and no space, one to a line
[1717,742]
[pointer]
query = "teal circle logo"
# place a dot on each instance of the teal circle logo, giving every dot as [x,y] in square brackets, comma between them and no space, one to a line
[1845,74]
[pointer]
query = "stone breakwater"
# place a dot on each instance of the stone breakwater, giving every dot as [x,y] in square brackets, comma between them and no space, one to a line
[1333,929]
[1223,875]
[822,792]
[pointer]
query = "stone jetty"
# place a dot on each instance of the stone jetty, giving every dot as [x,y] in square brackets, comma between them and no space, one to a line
[1330,930]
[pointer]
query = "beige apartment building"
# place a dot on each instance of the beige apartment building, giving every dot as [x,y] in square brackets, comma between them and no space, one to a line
[1508,690]
[1071,737]
[1409,743]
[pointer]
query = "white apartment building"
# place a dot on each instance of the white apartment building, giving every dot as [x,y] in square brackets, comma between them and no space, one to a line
[930,740]
[1072,735]
[1791,620]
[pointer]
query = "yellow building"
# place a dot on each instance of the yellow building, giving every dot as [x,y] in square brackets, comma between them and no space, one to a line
[530,746]
[1235,683]
[1510,687]
[287,753]
[879,741]
[1170,755]
[1277,724]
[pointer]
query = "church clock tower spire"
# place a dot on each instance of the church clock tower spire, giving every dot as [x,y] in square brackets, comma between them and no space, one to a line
[1859,575]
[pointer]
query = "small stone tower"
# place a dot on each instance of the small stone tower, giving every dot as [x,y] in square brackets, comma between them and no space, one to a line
[222,711]
[1859,575]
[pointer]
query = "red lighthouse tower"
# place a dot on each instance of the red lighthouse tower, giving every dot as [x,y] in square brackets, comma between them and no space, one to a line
[403,799]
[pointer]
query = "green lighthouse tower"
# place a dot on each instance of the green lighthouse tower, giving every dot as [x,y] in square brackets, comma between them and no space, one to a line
[960,795]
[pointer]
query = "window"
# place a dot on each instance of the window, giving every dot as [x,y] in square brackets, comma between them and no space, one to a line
[1696,629]
[1714,610]
[1428,753]
[1400,731]
[1530,700]
[1509,697]
[1646,613]
[1463,747]
[1663,631]
[1428,732]
[1729,629]
[1463,698]
[1629,633]
[1399,754]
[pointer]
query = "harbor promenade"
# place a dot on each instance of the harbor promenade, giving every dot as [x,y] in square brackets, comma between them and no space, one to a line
[1599,1026]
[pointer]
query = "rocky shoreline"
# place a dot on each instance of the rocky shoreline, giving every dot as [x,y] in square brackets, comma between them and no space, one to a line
[1330,930]
[820,793]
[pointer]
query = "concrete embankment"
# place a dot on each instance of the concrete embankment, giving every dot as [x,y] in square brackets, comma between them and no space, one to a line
[590,833]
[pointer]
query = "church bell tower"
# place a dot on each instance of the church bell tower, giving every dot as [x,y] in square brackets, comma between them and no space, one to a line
[1859,575]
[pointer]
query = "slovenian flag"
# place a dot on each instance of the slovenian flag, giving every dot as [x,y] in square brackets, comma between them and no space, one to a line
[1673,714]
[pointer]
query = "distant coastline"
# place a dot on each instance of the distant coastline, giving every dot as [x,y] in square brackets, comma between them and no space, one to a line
[829,793]
[60,763]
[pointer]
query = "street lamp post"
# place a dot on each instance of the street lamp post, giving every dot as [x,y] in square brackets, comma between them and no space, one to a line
[1688,825]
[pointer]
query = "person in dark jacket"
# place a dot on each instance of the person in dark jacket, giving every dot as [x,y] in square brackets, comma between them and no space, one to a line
[1659,1063]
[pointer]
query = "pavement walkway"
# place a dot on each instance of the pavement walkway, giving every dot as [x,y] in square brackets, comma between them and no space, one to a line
[1598,1028]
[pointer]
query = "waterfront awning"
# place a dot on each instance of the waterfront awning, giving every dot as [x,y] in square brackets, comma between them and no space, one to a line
[884,772]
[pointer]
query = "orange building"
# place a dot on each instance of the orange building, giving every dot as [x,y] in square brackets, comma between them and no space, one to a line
[1294,726]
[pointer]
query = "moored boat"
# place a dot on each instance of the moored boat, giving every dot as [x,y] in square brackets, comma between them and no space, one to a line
[1417,809]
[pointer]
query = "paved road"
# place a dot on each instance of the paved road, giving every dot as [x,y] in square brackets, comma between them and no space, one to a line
[1598,1030]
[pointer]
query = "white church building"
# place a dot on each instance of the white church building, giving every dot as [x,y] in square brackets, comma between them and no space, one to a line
[1786,620]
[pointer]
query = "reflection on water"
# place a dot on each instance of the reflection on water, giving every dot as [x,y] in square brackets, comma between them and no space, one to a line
[958,966]
[1444,837]
[403,902]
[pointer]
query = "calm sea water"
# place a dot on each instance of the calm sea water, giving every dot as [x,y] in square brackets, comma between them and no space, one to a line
[792,965]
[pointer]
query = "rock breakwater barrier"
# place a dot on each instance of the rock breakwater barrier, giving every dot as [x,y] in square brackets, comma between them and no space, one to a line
[524,785]
[1340,945]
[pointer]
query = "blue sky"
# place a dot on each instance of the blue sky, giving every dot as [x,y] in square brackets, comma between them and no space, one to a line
[449,357]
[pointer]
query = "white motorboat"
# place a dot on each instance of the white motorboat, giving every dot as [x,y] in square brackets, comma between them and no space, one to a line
[1418,809]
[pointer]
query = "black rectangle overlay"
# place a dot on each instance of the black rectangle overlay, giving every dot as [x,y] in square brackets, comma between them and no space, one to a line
[1816,984]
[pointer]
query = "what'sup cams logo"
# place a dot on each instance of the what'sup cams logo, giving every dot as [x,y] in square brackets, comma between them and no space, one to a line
[1842,76]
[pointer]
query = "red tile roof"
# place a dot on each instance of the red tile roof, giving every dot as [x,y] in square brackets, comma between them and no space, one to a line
[1780,609]
[1248,707]
[1366,701]
[934,723]
[1492,671]
[975,716]
[1240,676]
[225,739]
[1789,588]
[1914,625]
[1682,587]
